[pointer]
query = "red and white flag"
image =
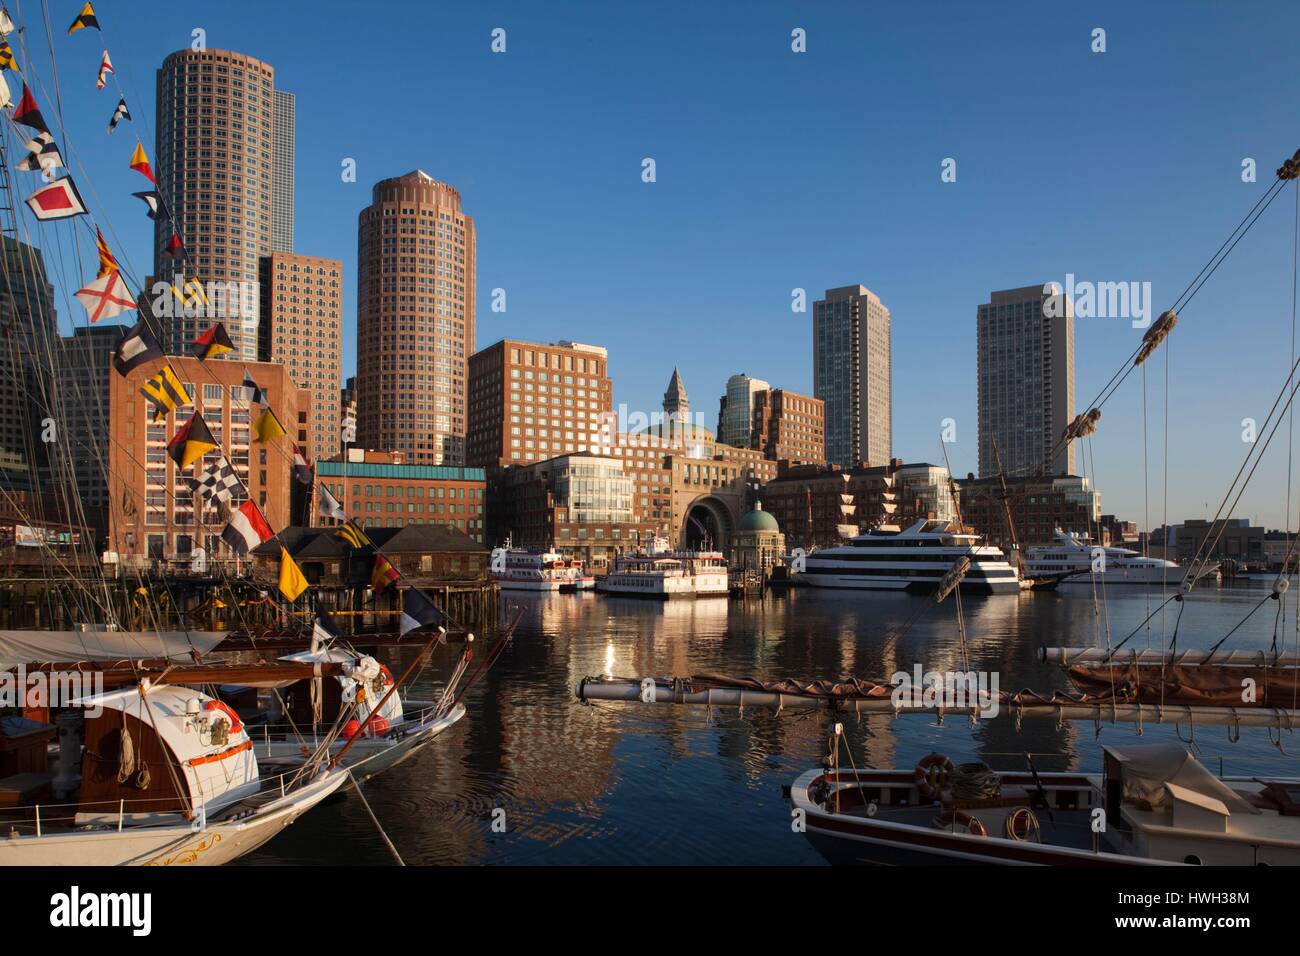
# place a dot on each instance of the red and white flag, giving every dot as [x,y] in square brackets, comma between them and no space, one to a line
[105,68]
[246,529]
[106,297]
[58,200]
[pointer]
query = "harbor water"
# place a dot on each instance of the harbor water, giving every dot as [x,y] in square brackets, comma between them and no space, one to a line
[533,776]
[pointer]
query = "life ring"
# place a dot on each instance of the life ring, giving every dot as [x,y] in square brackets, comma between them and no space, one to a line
[931,776]
[961,818]
[236,725]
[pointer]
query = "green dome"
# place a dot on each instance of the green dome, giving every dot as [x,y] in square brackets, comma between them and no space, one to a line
[759,520]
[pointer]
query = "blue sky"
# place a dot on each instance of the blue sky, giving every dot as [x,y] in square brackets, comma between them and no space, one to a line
[778,170]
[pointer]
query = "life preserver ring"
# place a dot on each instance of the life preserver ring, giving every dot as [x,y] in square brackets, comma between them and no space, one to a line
[947,819]
[931,776]
[236,725]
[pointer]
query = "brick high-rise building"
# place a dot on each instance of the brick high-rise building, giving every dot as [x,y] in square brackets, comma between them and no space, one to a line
[415,319]
[1025,365]
[302,327]
[790,426]
[853,375]
[216,153]
[529,402]
[151,503]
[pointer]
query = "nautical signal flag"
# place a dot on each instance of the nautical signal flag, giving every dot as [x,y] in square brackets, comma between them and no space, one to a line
[28,113]
[140,163]
[418,611]
[258,396]
[42,153]
[214,341]
[86,18]
[107,261]
[165,391]
[58,200]
[7,60]
[292,581]
[105,68]
[330,507]
[191,442]
[120,114]
[302,468]
[246,529]
[106,297]
[175,248]
[137,347]
[151,200]
[267,427]
[353,536]
[383,575]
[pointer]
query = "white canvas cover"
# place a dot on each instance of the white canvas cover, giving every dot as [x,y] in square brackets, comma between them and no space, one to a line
[1146,770]
[37,647]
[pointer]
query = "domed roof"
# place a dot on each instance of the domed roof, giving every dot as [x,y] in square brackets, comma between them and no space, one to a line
[758,520]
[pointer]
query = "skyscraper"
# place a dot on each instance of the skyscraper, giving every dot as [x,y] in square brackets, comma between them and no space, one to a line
[217,153]
[736,410]
[302,327]
[415,319]
[282,158]
[28,336]
[1025,363]
[852,374]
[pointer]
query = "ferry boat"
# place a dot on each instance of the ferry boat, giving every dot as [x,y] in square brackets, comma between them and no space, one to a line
[1072,553]
[660,573]
[912,559]
[525,570]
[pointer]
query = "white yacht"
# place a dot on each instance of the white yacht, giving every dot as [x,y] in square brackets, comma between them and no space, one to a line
[1071,552]
[519,569]
[659,573]
[913,559]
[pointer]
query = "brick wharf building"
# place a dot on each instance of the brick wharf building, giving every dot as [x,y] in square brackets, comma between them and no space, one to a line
[1039,505]
[151,504]
[530,401]
[302,327]
[415,319]
[789,426]
[378,490]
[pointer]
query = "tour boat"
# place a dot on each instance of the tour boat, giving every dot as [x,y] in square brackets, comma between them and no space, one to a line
[660,573]
[1072,553]
[912,559]
[168,776]
[525,570]
[1152,805]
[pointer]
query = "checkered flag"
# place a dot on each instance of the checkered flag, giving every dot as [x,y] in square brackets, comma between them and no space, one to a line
[218,482]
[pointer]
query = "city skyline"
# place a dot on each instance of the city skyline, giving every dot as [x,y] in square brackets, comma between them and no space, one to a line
[1118,191]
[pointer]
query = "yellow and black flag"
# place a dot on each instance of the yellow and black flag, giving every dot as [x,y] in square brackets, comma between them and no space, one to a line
[7,61]
[214,341]
[353,536]
[86,18]
[267,427]
[192,441]
[166,392]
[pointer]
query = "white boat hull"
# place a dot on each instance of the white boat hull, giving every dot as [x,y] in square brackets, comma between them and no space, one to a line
[169,845]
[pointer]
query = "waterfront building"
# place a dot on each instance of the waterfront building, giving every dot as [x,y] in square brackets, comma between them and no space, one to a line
[1025,376]
[1039,505]
[789,426]
[853,375]
[82,368]
[580,505]
[531,401]
[217,152]
[154,512]
[1227,539]
[736,410]
[416,253]
[758,543]
[302,328]
[380,490]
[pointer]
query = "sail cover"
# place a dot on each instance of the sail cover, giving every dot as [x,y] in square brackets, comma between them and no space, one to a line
[35,647]
[1146,770]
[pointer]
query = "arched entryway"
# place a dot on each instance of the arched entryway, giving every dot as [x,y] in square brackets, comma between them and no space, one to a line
[708,525]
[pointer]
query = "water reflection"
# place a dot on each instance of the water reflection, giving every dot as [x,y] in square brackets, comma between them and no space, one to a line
[628,783]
